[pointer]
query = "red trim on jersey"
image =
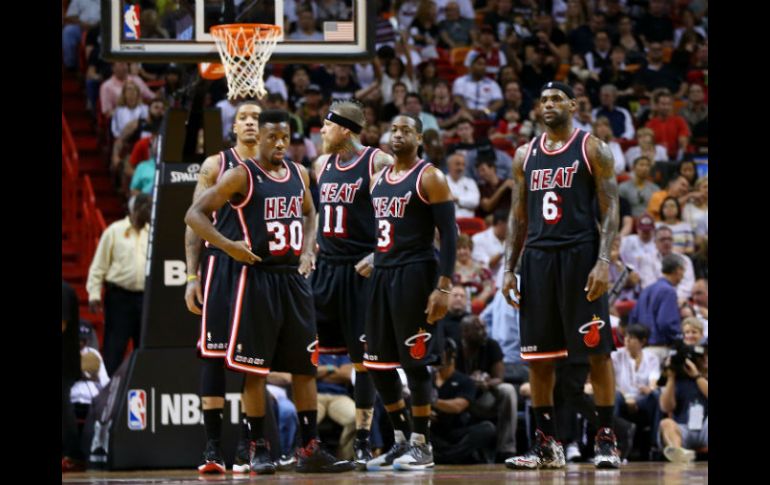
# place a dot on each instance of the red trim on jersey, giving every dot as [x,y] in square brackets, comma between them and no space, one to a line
[585,153]
[381,365]
[544,355]
[344,169]
[282,180]
[234,332]
[371,161]
[562,149]
[419,179]
[394,182]
[529,151]
[204,351]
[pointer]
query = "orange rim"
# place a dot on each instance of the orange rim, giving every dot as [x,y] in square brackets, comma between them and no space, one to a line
[262,30]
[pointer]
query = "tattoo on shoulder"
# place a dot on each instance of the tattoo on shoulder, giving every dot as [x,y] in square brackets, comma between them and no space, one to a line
[602,157]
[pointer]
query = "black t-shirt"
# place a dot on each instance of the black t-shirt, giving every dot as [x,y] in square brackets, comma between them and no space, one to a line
[458,385]
[687,395]
[334,91]
[487,356]
[70,347]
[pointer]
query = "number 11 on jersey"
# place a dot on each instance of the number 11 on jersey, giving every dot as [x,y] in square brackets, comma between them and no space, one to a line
[335,217]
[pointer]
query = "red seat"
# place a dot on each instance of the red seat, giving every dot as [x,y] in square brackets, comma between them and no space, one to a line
[471,225]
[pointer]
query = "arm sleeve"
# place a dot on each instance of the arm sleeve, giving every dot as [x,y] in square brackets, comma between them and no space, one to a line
[444,217]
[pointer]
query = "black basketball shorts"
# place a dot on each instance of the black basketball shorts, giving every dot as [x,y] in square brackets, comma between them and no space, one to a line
[556,317]
[219,272]
[340,303]
[273,323]
[397,332]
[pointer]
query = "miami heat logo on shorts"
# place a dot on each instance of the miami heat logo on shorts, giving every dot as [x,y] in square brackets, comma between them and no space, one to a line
[416,344]
[313,349]
[590,331]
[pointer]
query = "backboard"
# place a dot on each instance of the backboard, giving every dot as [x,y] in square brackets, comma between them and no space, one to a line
[344,30]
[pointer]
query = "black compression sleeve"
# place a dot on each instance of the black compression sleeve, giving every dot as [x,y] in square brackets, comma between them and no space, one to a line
[444,217]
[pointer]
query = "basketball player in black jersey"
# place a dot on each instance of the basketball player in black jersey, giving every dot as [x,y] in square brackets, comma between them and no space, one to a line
[219,273]
[272,314]
[409,291]
[347,238]
[558,178]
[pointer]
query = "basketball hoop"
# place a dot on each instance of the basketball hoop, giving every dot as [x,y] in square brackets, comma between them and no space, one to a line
[244,50]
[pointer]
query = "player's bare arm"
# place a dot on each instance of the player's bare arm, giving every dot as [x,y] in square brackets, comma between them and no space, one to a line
[382,160]
[517,225]
[602,165]
[307,258]
[193,244]
[434,185]
[234,182]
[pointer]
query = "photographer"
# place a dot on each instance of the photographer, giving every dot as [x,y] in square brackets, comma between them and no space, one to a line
[685,399]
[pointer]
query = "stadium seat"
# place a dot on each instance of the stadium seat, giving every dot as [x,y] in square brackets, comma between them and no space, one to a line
[471,225]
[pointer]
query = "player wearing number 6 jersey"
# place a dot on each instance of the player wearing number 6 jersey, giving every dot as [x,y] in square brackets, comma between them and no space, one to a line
[346,235]
[558,178]
[273,320]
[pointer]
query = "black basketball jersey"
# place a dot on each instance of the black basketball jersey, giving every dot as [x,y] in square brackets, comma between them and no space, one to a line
[225,220]
[346,216]
[560,194]
[271,215]
[405,225]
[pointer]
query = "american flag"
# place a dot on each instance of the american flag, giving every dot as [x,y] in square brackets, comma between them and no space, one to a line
[339,31]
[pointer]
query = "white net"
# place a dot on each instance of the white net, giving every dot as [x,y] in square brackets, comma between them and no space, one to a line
[244,50]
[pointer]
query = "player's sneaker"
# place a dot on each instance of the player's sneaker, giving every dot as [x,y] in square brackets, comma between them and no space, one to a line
[71,465]
[260,462]
[572,453]
[545,453]
[242,457]
[212,459]
[677,454]
[287,462]
[362,453]
[418,456]
[606,453]
[314,459]
[385,460]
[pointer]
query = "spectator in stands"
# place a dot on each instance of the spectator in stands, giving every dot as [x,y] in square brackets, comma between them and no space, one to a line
[405,10]
[93,375]
[334,379]
[139,134]
[118,265]
[72,455]
[472,275]
[477,93]
[130,107]
[616,74]
[639,189]
[599,56]
[395,106]
[689,171]
[500,19]
[486,47]
[300,80]
[306,27]
[670,130]
[309,107]
[581,39]
[678,187]
[143,179]
[603,131]
[481,358]
[514,99]
[465,192]
[582,118]
[696,112]
[629,41]
[447,111]
[637,371]
[112,88]
[657,307]
[495,191]
[685,396]
[539,68]
[578,71]
[489,245]
[486,151]
[657,74]
[547,37]
[700,303]
[465,7]
[277,387]
[621,121]
[458,308]
[454,439]
[456,31]
[424,31]
[627,291]
[656,24]
[650,267]
[671,216]
[413,106]
[467,142]
[688,22]
[693,331]
[646,147]
[634,247]
[330,10]
[435,151]
[502,322]
[81,16]
[343,86]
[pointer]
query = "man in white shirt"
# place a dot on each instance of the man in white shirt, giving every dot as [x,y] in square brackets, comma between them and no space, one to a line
[466,9]
[650,265]
[476,92]
[634,246]
[464,190]
[489,246]
[119,264]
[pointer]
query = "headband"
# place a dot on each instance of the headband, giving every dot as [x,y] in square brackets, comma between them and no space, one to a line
[564,88]
[344,122]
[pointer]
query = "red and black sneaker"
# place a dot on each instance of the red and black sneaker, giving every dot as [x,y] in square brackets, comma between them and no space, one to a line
[314,459]
[71,465]
[606,453]
[546,452]
[212,462]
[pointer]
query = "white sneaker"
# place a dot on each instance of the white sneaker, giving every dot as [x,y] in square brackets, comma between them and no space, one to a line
[676,454]
[419,455]
[385,460]
[572,452]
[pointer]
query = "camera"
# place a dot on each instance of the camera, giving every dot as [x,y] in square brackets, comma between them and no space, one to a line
[680,352]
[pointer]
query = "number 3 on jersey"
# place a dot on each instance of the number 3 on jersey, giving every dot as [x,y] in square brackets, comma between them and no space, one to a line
[280,243]
[551,207]
[385,235]
[335,217]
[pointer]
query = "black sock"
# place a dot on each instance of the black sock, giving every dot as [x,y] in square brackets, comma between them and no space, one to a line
[212,422]
[544,420]
[605,416]
[308,427]
[401,422]
[256,427]
[362,434]
[421,425]
[244,427]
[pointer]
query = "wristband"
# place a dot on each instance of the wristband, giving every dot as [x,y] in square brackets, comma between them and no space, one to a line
[192,277]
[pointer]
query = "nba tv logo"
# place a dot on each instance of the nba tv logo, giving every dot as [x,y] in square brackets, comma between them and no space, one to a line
[137,409]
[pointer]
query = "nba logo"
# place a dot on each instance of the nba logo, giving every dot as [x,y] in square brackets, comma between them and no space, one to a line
[137,409]
[131,22]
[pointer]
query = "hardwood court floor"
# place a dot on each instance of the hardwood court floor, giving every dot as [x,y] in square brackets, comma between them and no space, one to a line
[636,473]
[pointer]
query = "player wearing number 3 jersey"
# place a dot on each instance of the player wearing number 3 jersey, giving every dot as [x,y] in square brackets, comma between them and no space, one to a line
[559,177]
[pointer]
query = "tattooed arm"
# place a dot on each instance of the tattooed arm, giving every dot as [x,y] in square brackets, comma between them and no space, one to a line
[517,224]
[602,165]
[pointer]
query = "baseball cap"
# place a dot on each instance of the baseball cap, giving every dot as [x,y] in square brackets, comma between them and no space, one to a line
[645,223]
[297,138]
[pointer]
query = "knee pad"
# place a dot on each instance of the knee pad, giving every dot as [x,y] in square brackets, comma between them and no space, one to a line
[212,378]
[418,379]
[364,391]
[388,384]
